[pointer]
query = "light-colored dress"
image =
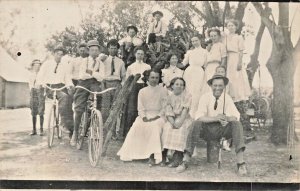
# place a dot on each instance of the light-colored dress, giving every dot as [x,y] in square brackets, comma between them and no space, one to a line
[239,80]
[169,73]
[175,139]
[144,138]
[194,75]
[214,57]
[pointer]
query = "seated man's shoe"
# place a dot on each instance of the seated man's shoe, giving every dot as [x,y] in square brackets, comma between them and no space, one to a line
[242,170]
[181,168]
[225,146]
[173,164]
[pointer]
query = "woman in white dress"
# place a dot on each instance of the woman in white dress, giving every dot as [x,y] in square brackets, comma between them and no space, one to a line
[236,72]
[144,137]
[216,54]
[172,71]
[194,74]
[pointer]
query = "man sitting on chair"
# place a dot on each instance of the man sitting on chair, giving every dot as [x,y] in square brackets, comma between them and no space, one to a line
[214,120]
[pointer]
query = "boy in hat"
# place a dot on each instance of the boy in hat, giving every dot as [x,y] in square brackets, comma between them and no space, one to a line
[217,117]
[113,72]
[90,78]
[157,26]
[128,44]
[37,98]
[55,74]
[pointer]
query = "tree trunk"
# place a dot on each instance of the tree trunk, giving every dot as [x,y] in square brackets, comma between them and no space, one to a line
[281,68]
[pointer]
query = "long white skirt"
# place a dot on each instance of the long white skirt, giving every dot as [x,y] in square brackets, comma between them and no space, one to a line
[195,84]
[239,83]
[142,140]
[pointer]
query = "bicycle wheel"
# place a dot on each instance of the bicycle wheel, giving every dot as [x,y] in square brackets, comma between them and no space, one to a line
[96,137]
[82,130]
[58,128]
[51,125]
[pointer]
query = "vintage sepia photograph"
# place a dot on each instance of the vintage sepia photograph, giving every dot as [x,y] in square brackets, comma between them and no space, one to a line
[151,91]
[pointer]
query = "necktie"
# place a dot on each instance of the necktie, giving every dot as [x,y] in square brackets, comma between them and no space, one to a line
[55,70]
[216,104]
[94,63]
[156,24]
[112,65]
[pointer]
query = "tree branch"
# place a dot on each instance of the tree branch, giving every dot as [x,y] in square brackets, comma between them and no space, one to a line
[194,8]
[264,15]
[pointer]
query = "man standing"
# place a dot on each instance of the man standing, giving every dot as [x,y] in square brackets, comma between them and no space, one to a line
[218,117]
[55,74]
[75,64]
[37,98]
[90,78]
[113,72]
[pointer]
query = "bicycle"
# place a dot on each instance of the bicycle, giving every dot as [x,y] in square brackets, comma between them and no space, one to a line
[92,125]
[53,118]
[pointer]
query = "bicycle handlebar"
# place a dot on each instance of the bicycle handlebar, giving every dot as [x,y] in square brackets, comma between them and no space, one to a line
[55,89]
[97,93]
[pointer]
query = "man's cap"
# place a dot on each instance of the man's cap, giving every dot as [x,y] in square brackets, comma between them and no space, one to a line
[93,43]
[218,76]
[157,12]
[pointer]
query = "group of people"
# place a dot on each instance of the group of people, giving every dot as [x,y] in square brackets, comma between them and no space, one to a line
[170,108]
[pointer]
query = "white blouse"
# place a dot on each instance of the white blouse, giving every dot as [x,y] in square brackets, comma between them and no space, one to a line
[196,57]
[169,73]
[151,101]
[137,68]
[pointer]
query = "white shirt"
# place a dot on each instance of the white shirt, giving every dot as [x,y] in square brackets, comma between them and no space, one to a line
[137,68]
[169,73]
[32,80]
[160,30]
[195,57]
[120,71]
[75,67]
[88,63]
[136,41]
[207,102]
[46,74]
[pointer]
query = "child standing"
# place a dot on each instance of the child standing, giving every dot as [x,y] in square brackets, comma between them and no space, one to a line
[37,99]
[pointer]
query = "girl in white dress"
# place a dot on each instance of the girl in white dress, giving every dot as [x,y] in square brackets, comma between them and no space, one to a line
[216,55]
[144,137]
[194,74]
[236,73]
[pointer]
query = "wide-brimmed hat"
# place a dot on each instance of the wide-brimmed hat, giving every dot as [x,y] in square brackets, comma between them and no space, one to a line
[132,27]
[218,76]
[93,43]
[157,12]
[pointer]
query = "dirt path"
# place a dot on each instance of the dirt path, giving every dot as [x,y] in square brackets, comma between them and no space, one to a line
[25,157]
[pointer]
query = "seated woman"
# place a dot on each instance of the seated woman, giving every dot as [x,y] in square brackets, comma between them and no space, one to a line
[144,137]
[172,71]
[176,129]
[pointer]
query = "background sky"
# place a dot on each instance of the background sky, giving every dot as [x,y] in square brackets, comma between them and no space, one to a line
[38,20]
